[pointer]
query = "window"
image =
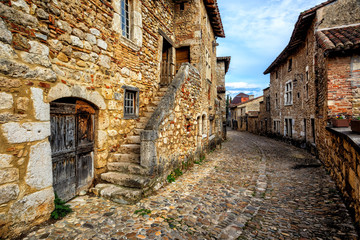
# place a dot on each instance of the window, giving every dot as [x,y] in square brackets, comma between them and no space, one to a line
[124,15]
[288,127]
[290,65]
[131,102]
[276,101]
[182,6]
[276,126]
[268,104]
[276,74]
[307,84]
[288,93]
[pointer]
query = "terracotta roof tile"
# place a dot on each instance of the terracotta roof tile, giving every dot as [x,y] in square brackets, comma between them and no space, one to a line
[337,39]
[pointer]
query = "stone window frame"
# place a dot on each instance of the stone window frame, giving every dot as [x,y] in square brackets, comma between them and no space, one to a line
[135,38]
[288,127]
[288,93]
[135,113]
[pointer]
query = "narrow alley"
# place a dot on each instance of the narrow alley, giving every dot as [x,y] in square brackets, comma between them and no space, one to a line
[252,188]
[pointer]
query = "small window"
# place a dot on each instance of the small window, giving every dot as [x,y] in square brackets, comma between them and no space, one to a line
[268,104]
[276,101]
[124,14]
[131,102]
[290,65]
[276,74]
[182,6]
[288,93]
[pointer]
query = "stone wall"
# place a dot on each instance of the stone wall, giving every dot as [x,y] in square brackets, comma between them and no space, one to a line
[242,112]
[302,77]
[343,163]
[174,132]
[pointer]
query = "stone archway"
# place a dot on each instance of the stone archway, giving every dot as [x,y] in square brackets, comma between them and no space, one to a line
[73,117]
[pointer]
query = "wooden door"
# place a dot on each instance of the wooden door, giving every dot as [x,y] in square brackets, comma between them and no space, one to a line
[182,56]
[72,144]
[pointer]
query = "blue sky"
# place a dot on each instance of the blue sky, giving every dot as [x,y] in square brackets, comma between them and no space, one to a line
[256,32]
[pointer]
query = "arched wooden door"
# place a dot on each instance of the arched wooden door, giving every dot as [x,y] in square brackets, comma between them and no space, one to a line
[72,146]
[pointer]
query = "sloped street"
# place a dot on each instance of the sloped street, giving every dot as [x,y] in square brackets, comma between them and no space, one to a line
[252,188]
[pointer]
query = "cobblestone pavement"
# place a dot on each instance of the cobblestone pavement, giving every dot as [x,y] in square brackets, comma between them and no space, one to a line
[253,188]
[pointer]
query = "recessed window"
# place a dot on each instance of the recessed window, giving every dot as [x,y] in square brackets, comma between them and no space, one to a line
[182,6]
[288,93]
[290,65]
[276,74]
[124,14]
[131,102]
[288,127]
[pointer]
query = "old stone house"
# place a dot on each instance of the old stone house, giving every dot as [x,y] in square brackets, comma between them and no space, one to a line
[238,99]
[265,113]
[223,64]
[242,112]
[103,95]
[314,79]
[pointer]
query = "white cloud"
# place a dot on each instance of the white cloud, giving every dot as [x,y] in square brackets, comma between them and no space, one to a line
[241,85]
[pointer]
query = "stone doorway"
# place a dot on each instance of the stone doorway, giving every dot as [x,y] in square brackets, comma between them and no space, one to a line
[72,146]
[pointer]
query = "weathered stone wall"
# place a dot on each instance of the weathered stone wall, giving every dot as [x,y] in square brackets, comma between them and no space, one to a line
[341,12]
[56,49]
[343,163]
[303,93]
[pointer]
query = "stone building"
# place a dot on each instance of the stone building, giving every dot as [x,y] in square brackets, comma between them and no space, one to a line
[223,64]
[316,78]
[103,95]
[242,112]
[238,99]
[265,113]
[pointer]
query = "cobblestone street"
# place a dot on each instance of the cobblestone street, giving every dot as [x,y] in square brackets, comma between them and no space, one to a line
[253,188]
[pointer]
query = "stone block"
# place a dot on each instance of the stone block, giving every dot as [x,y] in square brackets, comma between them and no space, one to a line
[63,26]
[42,14]
[39,48]
[77,32]
[18,17]
[102,44]
[33,206]
[5,160]
[5,34]
[9,175]
[39,169]
[90,38]
[6,51]
[8,192]
[33,58]
[116,22]
[62,57]
[76,42]
[104,61]
[101,138]
[103,120]
[6,100]
[21,4]
[25,132]
[95,32]
[42,109]
[56,44]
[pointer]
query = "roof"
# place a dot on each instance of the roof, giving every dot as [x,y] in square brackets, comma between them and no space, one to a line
[299,34]
[339,38]
[226,60]
[249,101]
[238,98]
[215,18]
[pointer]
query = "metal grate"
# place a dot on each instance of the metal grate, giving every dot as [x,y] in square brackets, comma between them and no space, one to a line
[129,103]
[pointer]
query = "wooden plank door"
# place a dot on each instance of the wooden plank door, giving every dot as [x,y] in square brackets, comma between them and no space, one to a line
[182,56]
[72,144]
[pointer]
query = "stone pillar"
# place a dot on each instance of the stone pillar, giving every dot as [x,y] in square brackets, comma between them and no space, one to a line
[148,155]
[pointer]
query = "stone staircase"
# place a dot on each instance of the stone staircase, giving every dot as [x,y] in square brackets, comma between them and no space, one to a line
[126,180]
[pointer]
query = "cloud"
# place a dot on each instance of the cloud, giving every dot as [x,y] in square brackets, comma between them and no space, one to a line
[256,32]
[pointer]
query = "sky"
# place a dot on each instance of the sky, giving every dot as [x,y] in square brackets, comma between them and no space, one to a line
[256,33]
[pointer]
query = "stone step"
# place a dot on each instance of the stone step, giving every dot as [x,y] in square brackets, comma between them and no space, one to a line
[118,194]
[151,108]
[126,180]
[130,148]
[157,98]
[130,157]
[126,167]
[143,119]
[140,125]
[133,139]
[155,102]
[148,114]
[137,131]
[163,89]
